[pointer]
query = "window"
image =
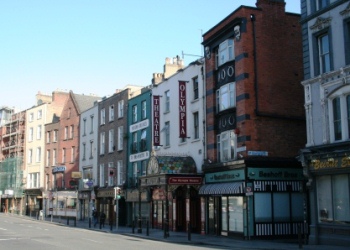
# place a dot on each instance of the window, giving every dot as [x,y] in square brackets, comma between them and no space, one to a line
[144,167]
[226,52]
[333,198]
[195,88]
[135,171]
[120,173]
[91,149]
[48,136]
[167,101]
[72,155]
[39,114]
[31,134]
[134,143]
[167,134]
[38,132]
[196,125]
[120,137]
[92,124]
[48,157]
[31,117]
[339,115]
[111,113]
[33,180]
[143,110]
[103,116]
[63,155]
[84,127]
[226,146]
[54,157]
[111,146]
[318,4]
[30,156]
[121,109]
[71,133]
[111,174]
[225,97]
[134,113]
[66,132]
[324,53]
[38,154]
[143,141]
[84,151]
[347,41]
[55,135]
[102,143]
[102,175]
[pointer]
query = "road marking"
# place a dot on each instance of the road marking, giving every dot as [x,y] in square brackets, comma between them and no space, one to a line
[4,229]
[92,240]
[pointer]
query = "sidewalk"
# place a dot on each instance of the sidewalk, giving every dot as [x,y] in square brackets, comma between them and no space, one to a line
[192,239]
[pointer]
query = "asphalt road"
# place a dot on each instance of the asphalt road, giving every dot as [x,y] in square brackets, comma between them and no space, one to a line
[18,233]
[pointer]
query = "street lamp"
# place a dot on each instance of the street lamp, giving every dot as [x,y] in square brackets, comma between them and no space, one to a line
[116,198]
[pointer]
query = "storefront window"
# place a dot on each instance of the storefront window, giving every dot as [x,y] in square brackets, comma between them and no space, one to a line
[341,210]
[235,209]
[281,207]
[224,214]
[297,206]
[262,201]
[324,197]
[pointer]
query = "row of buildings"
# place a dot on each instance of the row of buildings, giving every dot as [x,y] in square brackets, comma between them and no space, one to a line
[250,140]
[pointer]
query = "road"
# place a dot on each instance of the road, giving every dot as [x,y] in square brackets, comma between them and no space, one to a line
[21,233]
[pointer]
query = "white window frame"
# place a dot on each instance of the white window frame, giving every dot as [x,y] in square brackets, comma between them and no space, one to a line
[72,154]
[38,154]
[63,155]
[84,126]
[196,125]
[167,134]
[111,113]
[30,156]
[39,114]
[54,157]
[84,151]
[167,101]
[48,157]
[48,136]
[111,177]
[121,109]
[120,137]
[31,117]
[102,143]
[111,146]
[134,113]
[55,135]
[324,53]
[226,51]
[224,153]
[143,110]
[102,175]
[91,149]
[71,132]
[342,94]
[195,88]
[103,116]
[38,132]
[226,93]
[120,173]
[31,134]
[66,132]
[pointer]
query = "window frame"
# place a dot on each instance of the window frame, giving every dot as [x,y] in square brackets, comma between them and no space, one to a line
[231,139]
[226,52]
[111,113]
[103,116]
[121,109]
[167,101]
[231,96]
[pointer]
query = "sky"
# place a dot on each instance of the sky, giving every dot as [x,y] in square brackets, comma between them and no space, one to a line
[99,46]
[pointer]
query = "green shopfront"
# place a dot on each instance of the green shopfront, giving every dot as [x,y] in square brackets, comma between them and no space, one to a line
[255,202]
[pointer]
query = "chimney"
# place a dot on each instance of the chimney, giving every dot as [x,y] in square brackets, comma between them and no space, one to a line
[278,4]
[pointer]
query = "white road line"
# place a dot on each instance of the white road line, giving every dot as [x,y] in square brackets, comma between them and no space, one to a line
[4,229]
[91,240]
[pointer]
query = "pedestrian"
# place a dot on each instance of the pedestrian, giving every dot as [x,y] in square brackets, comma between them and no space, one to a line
[95,217]
[102,219]
[3,208]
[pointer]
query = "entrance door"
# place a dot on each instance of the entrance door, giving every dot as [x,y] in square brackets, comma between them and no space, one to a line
[231,215]
[214,223]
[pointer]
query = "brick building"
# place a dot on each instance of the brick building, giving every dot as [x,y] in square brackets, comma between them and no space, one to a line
[255,123]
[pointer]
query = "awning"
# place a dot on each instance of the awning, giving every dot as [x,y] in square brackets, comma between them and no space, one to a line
[222,188]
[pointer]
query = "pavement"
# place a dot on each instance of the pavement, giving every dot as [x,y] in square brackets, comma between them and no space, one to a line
[219,242]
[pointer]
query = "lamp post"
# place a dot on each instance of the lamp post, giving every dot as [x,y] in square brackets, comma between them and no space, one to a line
[116,192]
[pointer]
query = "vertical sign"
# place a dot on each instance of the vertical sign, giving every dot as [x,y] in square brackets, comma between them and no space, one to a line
[156,113]
[182,109]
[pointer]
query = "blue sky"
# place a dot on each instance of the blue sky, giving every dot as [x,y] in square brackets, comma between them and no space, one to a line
[98,46]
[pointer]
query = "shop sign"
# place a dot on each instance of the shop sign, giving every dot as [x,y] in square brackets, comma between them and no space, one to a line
[185,180]
[59,169]
[138,126]
[248,191]
[139,157]
[258,153]
[331,163]
[225,176]
[275,174]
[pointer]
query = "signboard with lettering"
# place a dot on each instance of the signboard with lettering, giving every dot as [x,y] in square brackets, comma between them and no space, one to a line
[59,169]
[156,117]
[138,126]
[182,109]
[225,176]
[275,174]
[139,156]
[331,163]
[185,180]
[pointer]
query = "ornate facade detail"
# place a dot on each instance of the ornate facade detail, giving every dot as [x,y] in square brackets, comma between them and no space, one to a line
[321,23]
[346,13]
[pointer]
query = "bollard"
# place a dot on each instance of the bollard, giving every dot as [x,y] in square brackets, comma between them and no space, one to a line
[147,228]
[189,231]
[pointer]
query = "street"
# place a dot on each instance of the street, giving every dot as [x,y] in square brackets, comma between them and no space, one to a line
[21,233]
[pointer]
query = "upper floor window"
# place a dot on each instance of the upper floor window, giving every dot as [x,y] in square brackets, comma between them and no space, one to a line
[318,4]
[38,154]
[55,135]
[195,88]
[84,151]
[66,132]
[120,108]
[167,101]
[167,134]
[134,143]
[324,57]
[91,149]
[120,137]
[48,136]
[340,115]
[226,146]
[111,146]
[31,134]
[226,52]
[102,175]
[48,157]
[225,97]
[120,173]
[30,156]
[92,124]
[143,110]
[196,125]
[84,127]
[134,113]
[143,141]
[31,117]
[63,155]
[40,114]
[347,41]
[111,113]
[54,157]
[103,116]
[72,154]
[71,133]
[102,143]
[38,132]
